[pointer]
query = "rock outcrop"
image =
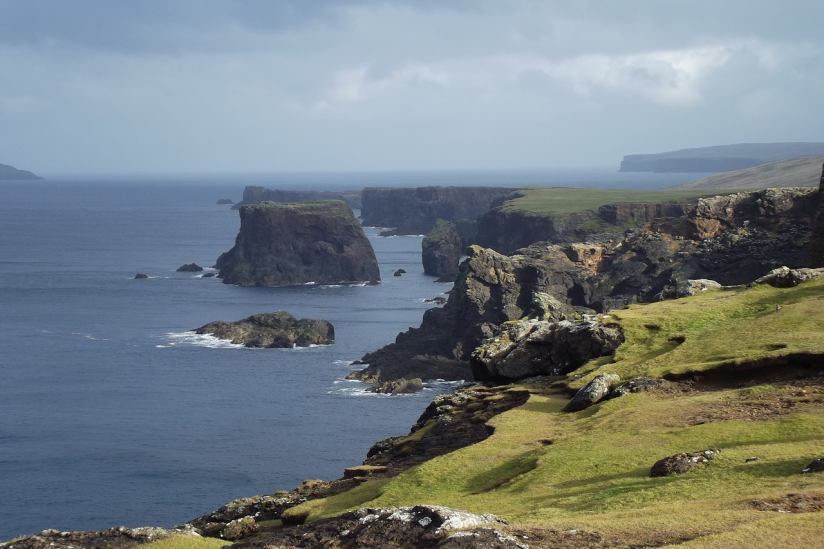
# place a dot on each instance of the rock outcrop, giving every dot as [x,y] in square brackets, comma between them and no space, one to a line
[285,244]
[10,173]
[537,347]
[113,538]
[817,238]
[441,251]
[253,195]
[274,330]
[593,392]
[682,463]
[415,210]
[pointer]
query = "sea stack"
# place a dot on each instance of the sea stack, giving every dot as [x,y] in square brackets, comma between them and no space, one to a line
[282,244]
[441,251]
[817,237]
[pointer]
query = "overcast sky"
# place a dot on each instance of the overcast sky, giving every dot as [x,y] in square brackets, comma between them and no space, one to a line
[315,85]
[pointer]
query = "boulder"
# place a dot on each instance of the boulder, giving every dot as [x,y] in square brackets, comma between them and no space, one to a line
[593,392]
[682,463]
[815,466]
[441,251]
[285,244]
[273,330]
[687,288]
[190,268]
[538,347]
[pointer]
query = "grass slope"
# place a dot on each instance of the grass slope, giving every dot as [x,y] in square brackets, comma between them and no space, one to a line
[545,469]
[567,200]
[797,172]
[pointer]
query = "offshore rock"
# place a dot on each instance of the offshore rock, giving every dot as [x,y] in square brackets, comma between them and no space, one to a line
[533,347]
[286,244]
[441,251]
[415,210]
[253,194]
[272,330]
[190,268]
[141,276]
[398,386]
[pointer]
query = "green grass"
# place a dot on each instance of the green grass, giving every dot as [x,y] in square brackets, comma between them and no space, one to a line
[183,541]
[567,200]
[595,473]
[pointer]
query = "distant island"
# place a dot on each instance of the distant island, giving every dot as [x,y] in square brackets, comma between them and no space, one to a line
[10,173]
[722,158]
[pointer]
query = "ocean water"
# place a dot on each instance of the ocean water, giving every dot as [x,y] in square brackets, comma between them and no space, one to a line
[113,413]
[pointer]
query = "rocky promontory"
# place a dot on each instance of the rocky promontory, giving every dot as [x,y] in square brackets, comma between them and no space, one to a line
[274,330]
[415,210]
[441,251]
[285,244]
[254,194]
[10,173]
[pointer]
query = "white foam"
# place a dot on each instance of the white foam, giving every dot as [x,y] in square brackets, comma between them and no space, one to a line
[191,339]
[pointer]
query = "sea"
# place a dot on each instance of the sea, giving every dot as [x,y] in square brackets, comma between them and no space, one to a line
[113,412]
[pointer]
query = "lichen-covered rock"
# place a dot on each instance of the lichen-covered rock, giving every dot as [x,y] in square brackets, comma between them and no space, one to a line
[687,288]
[682,463]
[113,538]
[784,277]
[239,528]
[533,347]
[423,526]
[274,330]
[441,251]
[591,393]
[285,244]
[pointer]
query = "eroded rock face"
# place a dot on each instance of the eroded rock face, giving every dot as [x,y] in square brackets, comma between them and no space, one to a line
[817,238]
[532,347]
[415,210]
[441,251]
[278,330]
[285,244]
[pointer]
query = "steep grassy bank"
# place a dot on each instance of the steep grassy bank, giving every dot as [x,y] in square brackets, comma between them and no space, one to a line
[747,379]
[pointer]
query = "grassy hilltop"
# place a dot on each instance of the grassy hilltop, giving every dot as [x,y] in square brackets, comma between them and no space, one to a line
[734,358]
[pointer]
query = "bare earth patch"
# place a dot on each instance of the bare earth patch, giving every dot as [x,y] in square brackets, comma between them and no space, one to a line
[791,503]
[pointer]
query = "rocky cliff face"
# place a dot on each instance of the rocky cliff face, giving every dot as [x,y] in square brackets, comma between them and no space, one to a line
[730,239]
[441,251]
[415,210]
[253,195]
[817,238]
[285,244]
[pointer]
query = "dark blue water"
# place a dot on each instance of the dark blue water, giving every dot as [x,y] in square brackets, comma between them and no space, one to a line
[111,413]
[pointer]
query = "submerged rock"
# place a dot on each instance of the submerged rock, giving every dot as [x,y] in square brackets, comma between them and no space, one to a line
[311,242]
[274,330]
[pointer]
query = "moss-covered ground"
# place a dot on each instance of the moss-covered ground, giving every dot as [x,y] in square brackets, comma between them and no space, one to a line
[543,469]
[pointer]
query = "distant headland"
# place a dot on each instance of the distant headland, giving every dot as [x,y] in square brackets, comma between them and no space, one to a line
[10,173]
[722,158]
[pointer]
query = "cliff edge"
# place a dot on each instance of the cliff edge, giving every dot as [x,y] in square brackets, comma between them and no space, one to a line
[284,244]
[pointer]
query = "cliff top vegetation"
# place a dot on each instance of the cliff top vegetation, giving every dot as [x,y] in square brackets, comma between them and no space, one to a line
[561,200]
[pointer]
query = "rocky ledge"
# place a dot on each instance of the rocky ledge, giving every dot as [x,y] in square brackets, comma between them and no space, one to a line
[273,330]
[286,244]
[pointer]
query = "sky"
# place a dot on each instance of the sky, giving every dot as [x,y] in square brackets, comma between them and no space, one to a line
[160,86]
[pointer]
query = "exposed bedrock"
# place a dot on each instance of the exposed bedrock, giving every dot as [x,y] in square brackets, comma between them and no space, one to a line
[817,238]
[415,210]
[285,244]
[745,236]
[441,251]
[253,194]
[278,330]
